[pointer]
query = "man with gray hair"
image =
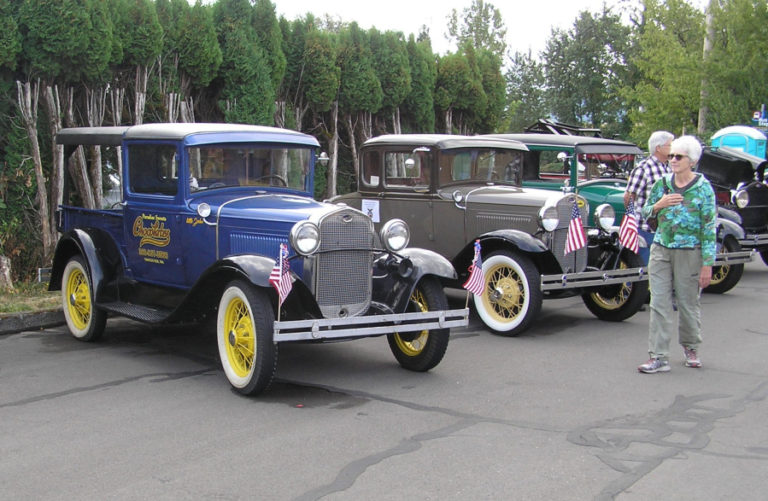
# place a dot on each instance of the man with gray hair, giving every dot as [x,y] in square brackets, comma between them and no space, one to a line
[644,175]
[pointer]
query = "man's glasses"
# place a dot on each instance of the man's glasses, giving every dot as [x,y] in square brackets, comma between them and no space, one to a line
[677,156]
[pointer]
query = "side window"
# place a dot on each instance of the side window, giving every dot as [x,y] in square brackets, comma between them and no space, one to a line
[153,169]
[406,170]
[371,174]
[461,168]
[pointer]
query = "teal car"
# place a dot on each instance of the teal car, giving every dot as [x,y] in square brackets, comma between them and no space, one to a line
[597,169]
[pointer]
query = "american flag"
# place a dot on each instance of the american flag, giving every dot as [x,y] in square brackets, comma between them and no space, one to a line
[576,237]
[280,278]
[476,282]
[628,229]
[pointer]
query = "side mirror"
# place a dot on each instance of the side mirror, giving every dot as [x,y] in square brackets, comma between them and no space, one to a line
[323,159]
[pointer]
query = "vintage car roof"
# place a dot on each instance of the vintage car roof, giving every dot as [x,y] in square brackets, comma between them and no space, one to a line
[445,141]
[581,144]
[177,131]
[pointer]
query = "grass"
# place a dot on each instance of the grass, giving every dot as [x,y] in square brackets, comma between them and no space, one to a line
[29,296]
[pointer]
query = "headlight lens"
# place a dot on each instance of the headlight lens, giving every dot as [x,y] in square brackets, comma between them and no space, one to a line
[548,218]
[395,235]
[305,238]
[605,216]
[741,199]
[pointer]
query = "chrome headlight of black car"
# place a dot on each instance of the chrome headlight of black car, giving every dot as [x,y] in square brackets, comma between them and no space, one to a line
[548,218]
[305,238]
[395,235]
[741,198]
[605,216]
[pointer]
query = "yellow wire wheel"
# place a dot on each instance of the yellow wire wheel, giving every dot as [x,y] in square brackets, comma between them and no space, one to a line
[414,343]
[85,321]
[244,327]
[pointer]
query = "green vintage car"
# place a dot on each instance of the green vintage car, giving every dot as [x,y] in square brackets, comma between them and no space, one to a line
[597,169]
[454,190]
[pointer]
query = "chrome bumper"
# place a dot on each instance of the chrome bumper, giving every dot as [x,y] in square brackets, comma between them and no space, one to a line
[593,278]
[372,325]
[728,258]
[754,240]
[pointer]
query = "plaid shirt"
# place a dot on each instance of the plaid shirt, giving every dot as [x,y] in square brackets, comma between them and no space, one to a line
[642,178]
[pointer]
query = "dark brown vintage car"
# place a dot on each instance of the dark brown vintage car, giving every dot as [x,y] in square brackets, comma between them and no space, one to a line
[741,191]
[453,190]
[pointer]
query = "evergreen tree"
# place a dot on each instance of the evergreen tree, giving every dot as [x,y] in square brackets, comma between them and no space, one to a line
[419,108]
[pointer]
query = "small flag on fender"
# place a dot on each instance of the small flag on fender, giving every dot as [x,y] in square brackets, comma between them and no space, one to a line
[476,281]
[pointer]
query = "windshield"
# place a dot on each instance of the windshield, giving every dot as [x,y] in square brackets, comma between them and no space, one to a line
[212,167]
[485,165]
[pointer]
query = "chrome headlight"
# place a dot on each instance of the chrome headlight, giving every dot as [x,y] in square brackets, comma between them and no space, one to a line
[305,238]
[548,218]
[741,198]
[395,235]
[605,216]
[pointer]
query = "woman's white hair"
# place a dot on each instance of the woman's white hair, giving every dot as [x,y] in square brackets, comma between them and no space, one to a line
[658,138]
[688,145]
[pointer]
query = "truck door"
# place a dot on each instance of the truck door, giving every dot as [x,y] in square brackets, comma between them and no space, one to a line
[153,214]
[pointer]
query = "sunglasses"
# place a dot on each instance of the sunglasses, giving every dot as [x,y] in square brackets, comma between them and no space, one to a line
[677,156]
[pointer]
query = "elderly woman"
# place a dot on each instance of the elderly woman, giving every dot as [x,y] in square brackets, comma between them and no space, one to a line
[682,254]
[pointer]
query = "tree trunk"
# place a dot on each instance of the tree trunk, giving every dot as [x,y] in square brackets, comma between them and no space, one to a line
[96,105]
[77,165]
[53,105]
[396,128]
[28,100]
[709,35]
[448,121]
[351,126]
[142,76]
[333,147]
[5,275]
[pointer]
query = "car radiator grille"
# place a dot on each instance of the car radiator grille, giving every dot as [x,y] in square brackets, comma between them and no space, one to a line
[574,261]
[755,215]
[343,278]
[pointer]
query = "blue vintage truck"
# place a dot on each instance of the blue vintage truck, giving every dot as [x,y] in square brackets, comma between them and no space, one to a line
[206,210]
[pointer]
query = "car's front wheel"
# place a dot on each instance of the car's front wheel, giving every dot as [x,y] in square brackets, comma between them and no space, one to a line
[85,321]
[512,296]
[725,278]
[244,333]
[422,350]
[618,302]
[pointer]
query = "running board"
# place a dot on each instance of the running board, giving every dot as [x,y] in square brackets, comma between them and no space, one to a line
[135,312]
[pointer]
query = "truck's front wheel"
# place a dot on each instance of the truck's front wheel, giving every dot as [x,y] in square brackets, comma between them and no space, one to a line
[512,297]
[244,332]
[85,321]
[422,350]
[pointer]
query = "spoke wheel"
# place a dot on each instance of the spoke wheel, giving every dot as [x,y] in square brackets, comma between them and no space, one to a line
[725,278]
[618,302]
[512,297]
[422,350]
[244,334]
[84,320]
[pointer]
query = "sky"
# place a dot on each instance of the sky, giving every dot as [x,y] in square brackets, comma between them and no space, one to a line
[529,23]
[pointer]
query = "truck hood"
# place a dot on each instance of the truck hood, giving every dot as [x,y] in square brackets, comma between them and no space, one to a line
[261,205]
[501,194]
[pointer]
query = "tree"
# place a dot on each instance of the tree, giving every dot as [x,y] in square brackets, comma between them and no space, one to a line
[390,59]
[525,92]
[479,26]
[458,92]
[736,69]
[585,69]
[419,109]
[247,94]
[669,68]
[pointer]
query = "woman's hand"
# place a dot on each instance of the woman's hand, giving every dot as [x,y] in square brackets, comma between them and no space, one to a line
[668,200]
[705,276]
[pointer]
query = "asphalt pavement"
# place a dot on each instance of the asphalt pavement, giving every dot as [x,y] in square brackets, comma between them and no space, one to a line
[558,413]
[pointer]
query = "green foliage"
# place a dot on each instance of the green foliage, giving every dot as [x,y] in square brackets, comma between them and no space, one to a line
[140,32]
[480,26]
[10,38]
[585,68]
[360,89]
[321,72]
[390,59]
[419,109]
[525,92]
[198,47]
[269,36]
[669,64]
[459,87]
[736,70]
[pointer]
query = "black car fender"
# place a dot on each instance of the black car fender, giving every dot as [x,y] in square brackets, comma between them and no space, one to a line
[101,254]
[427,262]
[506,239]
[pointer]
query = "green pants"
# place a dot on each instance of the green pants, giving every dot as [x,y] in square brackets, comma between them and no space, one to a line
[678,270]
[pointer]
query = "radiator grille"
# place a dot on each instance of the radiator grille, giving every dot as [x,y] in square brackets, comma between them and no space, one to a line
[343,279]
[574,261]
[755,216]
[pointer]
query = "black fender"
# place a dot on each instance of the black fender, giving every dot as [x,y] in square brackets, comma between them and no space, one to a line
[727,228]
[395,290]
[507,239]
[427,262]
[101,254]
